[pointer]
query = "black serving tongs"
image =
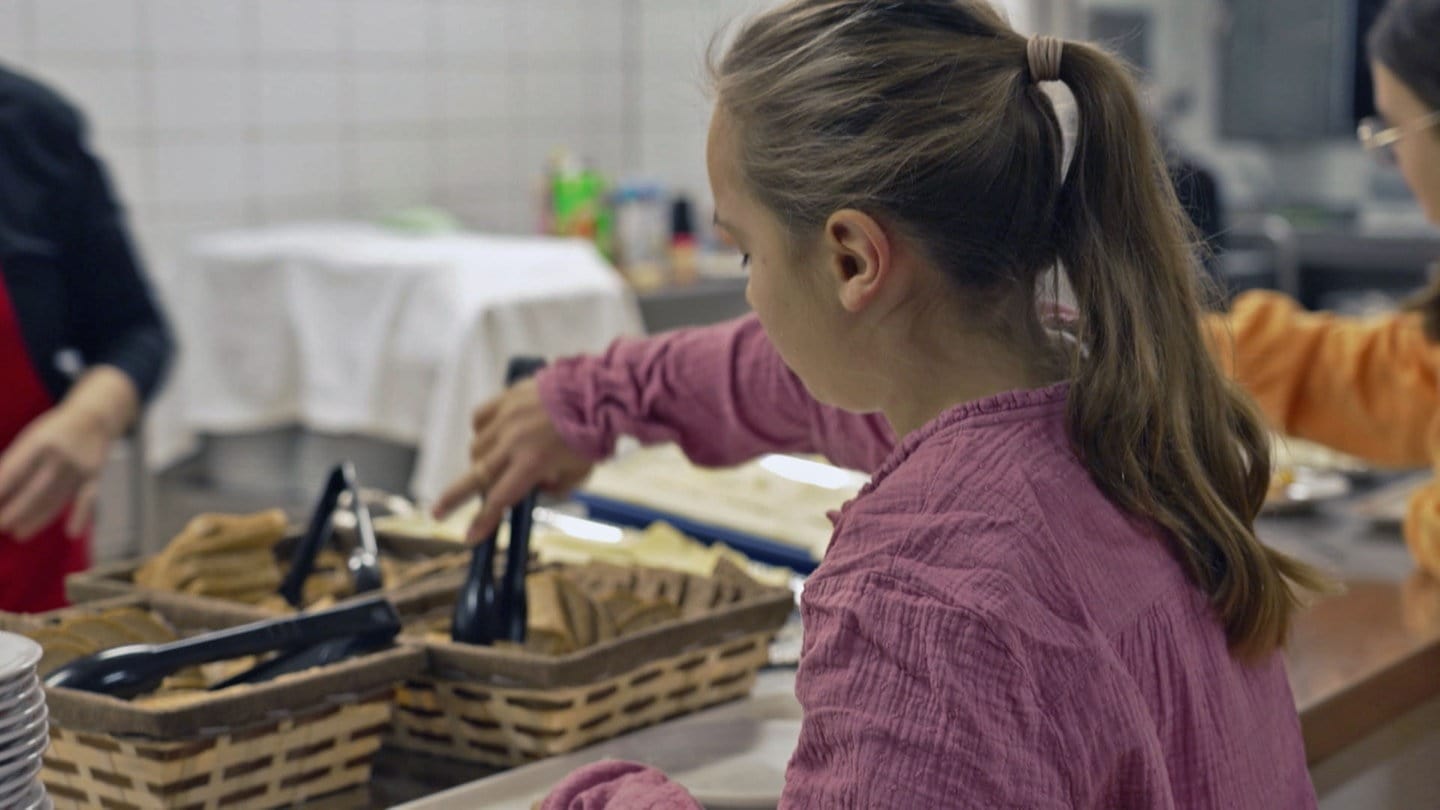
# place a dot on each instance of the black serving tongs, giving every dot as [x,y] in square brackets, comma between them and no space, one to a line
[315,655]
[483,616]
[139,668]
[364,562]
[365,574]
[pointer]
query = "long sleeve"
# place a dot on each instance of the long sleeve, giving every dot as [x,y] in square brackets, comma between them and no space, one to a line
[1422,527]
[113,316]
[908,703]
[988,630]
[905,705]
[721,392]
[1366,387]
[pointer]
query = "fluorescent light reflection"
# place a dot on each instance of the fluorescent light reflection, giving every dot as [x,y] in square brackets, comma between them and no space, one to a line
[811,472]
[580,527]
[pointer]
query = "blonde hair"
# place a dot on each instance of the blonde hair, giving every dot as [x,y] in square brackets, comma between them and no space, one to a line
[924,113]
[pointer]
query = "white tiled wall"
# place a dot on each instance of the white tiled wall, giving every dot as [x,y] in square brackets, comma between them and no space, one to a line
[217,114]
[242,112]
[222,113]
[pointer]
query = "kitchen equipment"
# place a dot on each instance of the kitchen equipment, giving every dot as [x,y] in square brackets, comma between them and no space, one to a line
[136,669]
[476,617]
[482,615]
[364,562]
[317,655]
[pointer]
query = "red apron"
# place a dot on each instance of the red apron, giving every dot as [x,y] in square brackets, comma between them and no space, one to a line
[32,574]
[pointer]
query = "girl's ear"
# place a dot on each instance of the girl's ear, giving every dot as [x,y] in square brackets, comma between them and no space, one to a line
[857,256]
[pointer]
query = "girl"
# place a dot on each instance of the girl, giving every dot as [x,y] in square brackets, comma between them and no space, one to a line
[1050,594]
[1369,387]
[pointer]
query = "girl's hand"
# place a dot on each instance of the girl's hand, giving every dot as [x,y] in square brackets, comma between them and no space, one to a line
[515,449]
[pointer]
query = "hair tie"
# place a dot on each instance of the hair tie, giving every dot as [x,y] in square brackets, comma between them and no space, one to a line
[1044,53]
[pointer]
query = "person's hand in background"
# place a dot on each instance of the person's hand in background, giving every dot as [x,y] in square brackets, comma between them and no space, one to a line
[514,450]
[56,460]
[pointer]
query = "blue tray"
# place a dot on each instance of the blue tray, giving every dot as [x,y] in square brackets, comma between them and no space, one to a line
[756,548]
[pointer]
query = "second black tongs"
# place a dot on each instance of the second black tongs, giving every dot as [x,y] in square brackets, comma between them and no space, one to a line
[483,615]
[364,561]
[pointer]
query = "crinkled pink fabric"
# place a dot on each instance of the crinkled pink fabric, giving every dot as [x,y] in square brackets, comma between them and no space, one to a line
[987,629]
[615,784]
[721,393]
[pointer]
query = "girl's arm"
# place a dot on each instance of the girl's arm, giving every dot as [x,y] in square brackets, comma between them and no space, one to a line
[721,392]
[1367,387]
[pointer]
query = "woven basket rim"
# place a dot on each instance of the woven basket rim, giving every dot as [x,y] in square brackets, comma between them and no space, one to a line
[229,710]
[119,575]
[116,579]
[281,765]
[571,717]
[765,610]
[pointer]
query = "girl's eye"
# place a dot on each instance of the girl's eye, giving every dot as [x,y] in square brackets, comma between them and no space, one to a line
[745,261]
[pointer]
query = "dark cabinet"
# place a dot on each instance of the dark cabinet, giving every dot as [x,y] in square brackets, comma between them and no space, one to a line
[1295,69]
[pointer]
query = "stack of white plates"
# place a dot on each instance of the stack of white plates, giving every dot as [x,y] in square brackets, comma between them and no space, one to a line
[24,725]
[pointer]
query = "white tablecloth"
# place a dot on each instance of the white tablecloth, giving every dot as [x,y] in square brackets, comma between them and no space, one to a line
[351,329]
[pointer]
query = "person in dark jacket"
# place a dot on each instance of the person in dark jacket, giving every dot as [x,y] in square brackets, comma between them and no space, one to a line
[70,286]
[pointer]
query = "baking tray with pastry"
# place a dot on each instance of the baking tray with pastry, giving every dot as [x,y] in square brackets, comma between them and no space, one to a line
[773,509]
[760,549]
[160,701]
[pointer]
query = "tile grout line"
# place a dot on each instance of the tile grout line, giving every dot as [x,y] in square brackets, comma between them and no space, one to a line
[146,76]
[435,87]
[346,129]
[257,193]
[631,75]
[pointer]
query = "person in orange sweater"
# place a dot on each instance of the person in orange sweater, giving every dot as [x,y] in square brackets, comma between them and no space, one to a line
[1368,387]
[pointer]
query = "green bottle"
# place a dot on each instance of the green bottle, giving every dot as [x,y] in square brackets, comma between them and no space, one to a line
[579,205]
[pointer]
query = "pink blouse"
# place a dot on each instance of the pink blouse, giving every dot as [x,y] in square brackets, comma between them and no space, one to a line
[987,629]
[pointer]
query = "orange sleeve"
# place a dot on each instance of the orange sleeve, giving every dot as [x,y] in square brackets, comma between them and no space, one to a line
[1367,387]
[1422,528]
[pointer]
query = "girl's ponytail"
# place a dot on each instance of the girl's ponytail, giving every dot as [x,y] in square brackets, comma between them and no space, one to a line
[1163,432]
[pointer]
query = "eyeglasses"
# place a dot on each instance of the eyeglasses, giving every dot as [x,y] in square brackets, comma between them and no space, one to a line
[1379,138]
